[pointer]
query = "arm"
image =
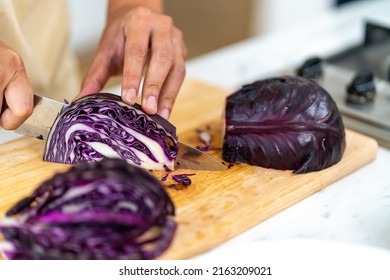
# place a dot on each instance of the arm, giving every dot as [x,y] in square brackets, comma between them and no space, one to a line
[155,6]
[15,89]
[139,36]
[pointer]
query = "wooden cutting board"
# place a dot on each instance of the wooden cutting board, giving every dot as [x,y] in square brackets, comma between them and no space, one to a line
[217,205]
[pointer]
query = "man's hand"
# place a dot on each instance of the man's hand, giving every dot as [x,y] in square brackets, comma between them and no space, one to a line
[136,39]
[15,89]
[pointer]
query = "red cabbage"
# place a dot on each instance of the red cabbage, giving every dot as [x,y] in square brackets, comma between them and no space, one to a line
[206,138]
[183,179]
[102,210]
[101,125]
[165,177]
[287,123]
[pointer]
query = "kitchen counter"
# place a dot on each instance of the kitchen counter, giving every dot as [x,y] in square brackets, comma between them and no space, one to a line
[355,209]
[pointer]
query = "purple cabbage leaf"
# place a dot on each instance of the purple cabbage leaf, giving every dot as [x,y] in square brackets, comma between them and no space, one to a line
[183,179]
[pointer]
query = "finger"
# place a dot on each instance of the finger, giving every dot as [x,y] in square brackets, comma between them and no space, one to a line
[179,43]
[19,98]
[136,51]
[172,86]
[170,91]
[97,75]
[160,64]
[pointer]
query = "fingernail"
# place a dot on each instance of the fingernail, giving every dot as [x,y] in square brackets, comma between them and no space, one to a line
[130,96]
[165,113]
[151,103]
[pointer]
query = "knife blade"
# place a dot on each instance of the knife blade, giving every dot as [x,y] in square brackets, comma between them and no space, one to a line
[41,120]
[192,158]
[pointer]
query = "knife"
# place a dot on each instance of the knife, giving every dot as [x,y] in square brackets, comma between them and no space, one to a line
[42,118]
[191,158]
[46,111]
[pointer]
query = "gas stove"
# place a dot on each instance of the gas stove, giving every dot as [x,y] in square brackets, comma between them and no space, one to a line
[359,81]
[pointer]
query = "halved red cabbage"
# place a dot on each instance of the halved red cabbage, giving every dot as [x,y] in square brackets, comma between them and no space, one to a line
[102,210]
[283,123]
[101,125]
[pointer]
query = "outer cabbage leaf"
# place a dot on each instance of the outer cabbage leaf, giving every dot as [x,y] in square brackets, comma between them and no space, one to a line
[101,210]
[101,125]
[287,123]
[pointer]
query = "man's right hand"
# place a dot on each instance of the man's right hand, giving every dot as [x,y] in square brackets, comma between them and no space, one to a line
[15,89]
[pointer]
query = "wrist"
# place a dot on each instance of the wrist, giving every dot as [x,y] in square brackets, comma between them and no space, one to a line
[116,7]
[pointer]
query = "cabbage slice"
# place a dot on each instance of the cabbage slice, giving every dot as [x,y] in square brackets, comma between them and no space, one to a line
[101,125]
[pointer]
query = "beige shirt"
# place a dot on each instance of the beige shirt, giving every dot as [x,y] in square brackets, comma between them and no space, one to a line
[38,30]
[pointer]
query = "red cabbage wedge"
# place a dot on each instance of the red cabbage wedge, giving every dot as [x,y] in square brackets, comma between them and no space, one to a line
[101,125]
[287,123]
[101,210]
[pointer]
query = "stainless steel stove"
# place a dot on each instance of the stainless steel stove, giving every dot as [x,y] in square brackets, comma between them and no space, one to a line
[359,81]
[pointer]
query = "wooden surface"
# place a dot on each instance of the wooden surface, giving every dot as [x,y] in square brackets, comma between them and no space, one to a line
[217,205]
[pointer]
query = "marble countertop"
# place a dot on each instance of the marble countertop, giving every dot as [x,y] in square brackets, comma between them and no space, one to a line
[355,209]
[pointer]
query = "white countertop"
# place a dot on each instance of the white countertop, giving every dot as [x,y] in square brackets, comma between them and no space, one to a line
[355,209]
